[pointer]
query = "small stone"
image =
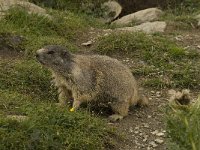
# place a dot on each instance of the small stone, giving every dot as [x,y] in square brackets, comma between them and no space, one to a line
[146,125]
[148,116]
[155,132]
[148,148]
[87,43]
[136,132]
[153,144]
[160,134]
[18,118]
[136,128]
[144,140]
[153,92]
[131,129]
[159,141]
[106,34]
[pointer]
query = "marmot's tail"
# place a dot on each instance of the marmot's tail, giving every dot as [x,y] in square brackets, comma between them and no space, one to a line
[142,101]
[139,99]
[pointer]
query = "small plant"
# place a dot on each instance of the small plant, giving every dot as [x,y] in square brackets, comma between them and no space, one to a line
[183,126]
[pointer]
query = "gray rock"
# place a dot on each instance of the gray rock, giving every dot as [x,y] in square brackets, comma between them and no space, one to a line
[153,144]
[17,117]
[112,10]
[160,134]
[142,16]
[30,7]
[148,27]
[159,141]
[87,43]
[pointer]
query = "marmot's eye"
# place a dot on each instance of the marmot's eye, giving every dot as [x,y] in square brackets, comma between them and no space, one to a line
[50,52]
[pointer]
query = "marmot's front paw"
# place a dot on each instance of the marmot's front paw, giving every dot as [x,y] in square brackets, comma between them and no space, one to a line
[115,117]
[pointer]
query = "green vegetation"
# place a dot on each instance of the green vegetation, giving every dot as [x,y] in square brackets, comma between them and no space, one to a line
[90,7]
[180,14]
[25,87]
[26,77]
[39,30]
[48,127]
[167,64]
[183,126]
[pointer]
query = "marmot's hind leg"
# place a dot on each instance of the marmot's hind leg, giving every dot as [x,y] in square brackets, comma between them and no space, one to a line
[120,109]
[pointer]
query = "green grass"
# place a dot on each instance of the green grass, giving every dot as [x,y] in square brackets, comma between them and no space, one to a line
[173,66]
[49,127]
[26,88]
[90,7]
[181,17]
[183,21]
[63,28]
[26,77]
[183,126]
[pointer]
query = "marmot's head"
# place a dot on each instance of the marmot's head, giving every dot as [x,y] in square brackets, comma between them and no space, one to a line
[55,57]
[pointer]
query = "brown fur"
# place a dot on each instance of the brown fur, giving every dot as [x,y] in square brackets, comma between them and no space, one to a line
[92,78]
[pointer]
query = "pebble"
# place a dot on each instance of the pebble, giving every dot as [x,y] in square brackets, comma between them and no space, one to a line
[155,132]
[148,116]
[136,132]
[153,144]
[137,128]
[87,43]
[145,138]
[160,134]
[131,129]
[153,92]
[146,125]
[159,141]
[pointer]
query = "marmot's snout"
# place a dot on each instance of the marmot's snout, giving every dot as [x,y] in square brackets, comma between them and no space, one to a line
[38,55]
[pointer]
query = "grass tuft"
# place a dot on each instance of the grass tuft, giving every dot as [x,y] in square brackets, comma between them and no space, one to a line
[183,126]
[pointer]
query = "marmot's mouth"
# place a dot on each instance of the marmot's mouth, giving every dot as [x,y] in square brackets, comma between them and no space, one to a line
[38,58]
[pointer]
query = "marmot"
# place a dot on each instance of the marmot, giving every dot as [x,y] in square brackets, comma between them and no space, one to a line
[88,78]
